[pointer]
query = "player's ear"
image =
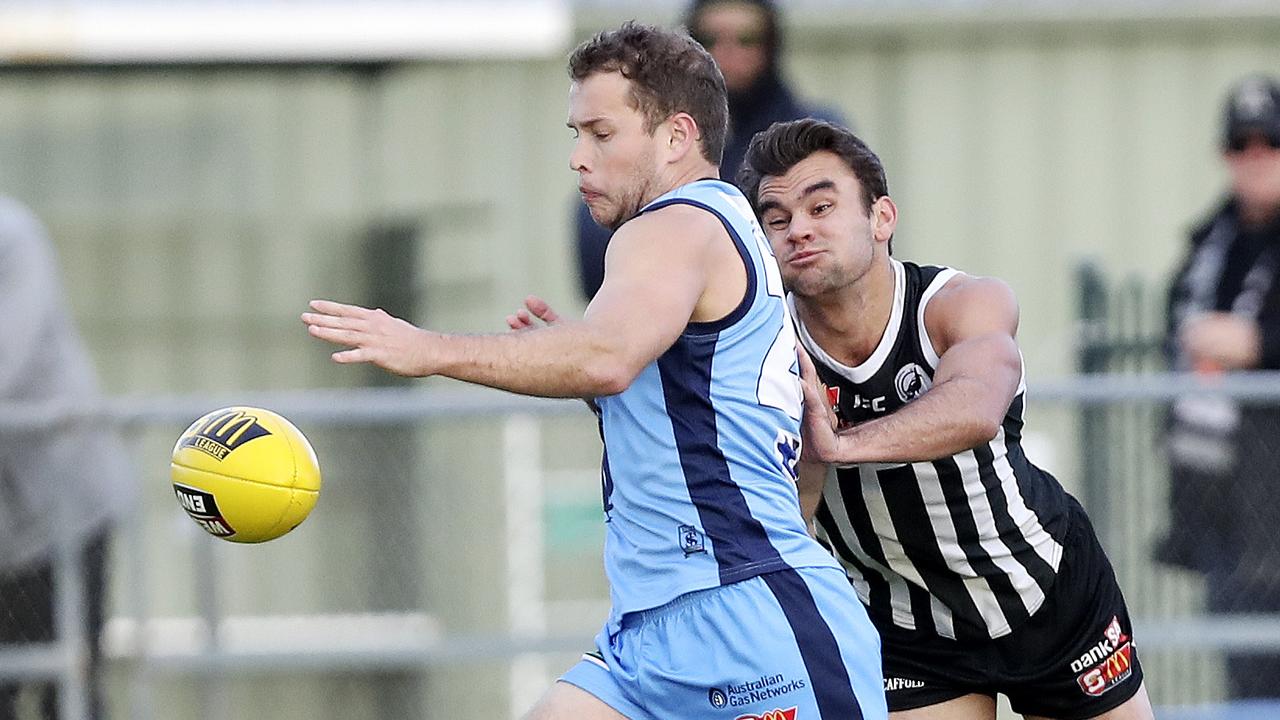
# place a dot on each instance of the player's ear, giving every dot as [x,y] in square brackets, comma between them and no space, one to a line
[884,218]
[683,135]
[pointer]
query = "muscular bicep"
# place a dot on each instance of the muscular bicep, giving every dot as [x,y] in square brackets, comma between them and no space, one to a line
[656,270]
[973,323]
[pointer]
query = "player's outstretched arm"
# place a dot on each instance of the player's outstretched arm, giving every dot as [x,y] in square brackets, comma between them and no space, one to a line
[972,323]
[655,273]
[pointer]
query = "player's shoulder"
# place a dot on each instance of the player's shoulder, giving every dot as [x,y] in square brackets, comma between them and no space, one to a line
[963,289]
[965,301]
[678,221]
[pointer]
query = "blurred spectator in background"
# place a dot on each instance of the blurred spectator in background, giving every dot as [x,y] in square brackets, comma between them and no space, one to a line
[745,38]
[1224,316]
[60,486]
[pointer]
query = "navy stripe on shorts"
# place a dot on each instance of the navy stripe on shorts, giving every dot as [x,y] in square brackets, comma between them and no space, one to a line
[832,687]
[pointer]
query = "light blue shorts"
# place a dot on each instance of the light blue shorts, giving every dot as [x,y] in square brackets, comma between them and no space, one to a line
[788,645]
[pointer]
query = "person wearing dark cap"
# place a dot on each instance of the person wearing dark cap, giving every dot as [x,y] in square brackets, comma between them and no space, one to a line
[1224,316]
[745,39]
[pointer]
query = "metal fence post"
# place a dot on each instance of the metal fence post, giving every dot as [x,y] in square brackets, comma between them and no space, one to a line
[1094,340]
[70,619]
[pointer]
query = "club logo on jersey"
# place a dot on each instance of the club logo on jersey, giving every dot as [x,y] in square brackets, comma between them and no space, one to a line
[1106,664]
[788,445]
[717,698]
[910,381]
[203,509]
[691,541]
[788,714]
[220,435]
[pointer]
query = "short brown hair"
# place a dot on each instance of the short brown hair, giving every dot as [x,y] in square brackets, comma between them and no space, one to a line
[783,145]
[669,73]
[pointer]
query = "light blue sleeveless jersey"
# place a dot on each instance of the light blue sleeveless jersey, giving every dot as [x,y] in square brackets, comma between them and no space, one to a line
[700,450]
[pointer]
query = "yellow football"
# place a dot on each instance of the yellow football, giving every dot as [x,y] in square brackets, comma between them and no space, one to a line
[245,474]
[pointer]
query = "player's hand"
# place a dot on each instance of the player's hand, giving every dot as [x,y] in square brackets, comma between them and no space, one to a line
[372,336]
[523,319]
[818,426]
[1222,341]
[534,307]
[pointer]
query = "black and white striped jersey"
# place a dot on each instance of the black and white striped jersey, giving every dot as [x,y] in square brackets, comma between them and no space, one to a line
[966,545]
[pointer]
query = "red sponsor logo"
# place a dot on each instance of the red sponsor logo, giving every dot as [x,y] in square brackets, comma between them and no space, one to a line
[833,396]
[1112,637]
[1113,633]
[788,714]
[1110,672]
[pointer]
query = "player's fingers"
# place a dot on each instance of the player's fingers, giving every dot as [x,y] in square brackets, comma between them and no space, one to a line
[536,305]
[336,336]
[331,321]
[354,355]
[808,374]
[807,371]
[541,309]
[329,307]
[523,320]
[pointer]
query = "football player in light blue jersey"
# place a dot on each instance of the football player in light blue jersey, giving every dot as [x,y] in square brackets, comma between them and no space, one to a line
[723,606]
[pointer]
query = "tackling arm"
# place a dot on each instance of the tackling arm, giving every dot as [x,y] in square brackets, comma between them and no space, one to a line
[973,322]
[810,479]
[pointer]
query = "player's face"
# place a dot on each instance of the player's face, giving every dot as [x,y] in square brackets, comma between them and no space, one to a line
[614,156]
[823,237]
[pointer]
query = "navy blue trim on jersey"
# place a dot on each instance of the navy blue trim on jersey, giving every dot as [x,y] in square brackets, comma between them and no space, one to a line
[832,688]
[739,312]
[739,541]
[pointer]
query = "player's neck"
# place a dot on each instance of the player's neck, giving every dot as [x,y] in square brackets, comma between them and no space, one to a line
[848,323]
[691,171]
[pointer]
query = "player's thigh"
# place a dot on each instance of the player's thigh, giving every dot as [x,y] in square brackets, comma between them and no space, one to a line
[965,707]
[568,702]
[1137,707]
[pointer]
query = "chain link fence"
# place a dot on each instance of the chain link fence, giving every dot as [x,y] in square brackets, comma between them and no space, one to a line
[451,567]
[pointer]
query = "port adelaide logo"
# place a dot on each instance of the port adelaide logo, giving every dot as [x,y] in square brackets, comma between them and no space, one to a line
[218,436]
[910,382]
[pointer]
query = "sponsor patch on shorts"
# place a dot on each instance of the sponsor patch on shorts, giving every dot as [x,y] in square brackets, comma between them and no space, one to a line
[1107,664]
